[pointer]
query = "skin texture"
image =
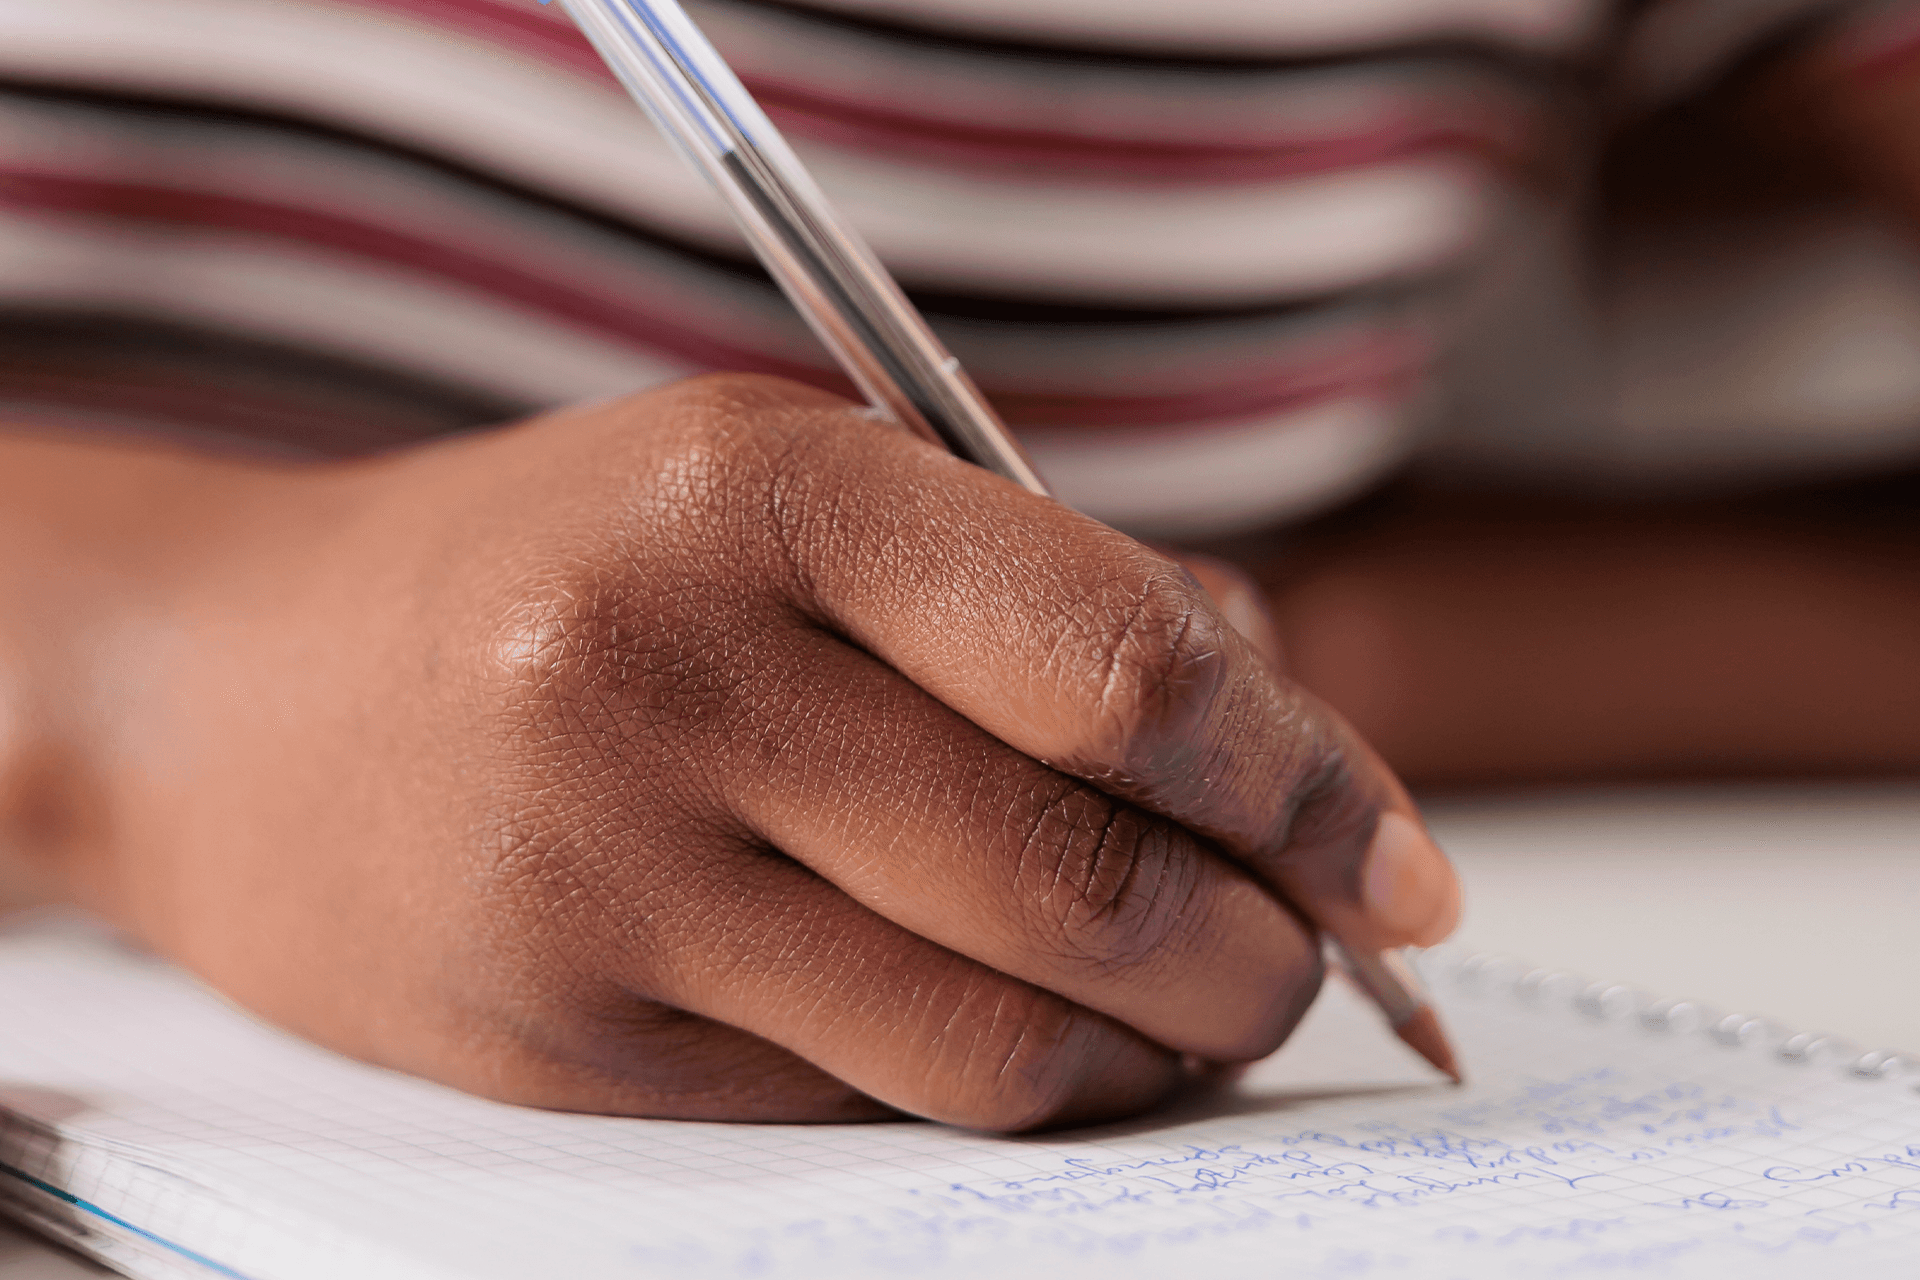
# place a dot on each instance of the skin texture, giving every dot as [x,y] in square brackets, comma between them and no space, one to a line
[716,753]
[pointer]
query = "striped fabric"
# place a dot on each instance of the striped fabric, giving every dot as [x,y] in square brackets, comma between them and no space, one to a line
[1214,259]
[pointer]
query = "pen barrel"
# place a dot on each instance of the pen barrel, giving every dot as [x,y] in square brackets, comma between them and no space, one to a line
[1385,977]
[848,298]
[861,315]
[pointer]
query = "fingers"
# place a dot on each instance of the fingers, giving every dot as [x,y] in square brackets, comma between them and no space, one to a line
[931,822]
[1072,643]
[798,963]
[974,937]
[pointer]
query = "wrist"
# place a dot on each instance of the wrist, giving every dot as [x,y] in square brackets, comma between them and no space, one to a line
[103,544]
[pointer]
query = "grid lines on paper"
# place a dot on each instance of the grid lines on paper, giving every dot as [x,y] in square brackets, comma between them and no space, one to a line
[246,1143]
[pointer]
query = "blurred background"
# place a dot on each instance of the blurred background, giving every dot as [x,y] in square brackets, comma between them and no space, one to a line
[1792,901]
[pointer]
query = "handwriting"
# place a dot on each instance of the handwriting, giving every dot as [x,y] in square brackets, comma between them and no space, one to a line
[1718,1200]
[1374,1195]
[1788,1173]
[1077,1168]
[1908,1199]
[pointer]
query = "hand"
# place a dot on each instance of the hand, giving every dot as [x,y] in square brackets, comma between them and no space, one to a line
[720,753]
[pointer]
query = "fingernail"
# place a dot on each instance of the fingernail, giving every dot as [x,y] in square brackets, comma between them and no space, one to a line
[1410,890]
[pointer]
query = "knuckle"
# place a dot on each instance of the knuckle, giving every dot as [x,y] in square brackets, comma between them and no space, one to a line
[1012,1057]
[1111,884]
[583,660]
[1163,661]
[588,787]
[696,465]
[1330,811]
[755,468]
[543,902]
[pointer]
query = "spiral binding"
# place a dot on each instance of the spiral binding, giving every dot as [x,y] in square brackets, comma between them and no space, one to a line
[1615,1002]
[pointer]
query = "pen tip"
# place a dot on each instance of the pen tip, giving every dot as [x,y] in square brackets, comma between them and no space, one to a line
[1422,1032]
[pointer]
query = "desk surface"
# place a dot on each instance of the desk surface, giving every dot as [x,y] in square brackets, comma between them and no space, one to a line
[1802,903]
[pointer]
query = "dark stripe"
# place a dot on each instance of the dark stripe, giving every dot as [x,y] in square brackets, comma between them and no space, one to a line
[1108,51]
[218,387]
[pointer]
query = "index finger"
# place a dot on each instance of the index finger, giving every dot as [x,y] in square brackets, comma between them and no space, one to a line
[1079,646]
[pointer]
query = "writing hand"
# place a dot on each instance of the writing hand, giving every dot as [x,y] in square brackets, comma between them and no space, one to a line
[720,753]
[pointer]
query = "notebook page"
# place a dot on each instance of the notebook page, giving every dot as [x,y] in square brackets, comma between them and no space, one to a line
[1583,1145]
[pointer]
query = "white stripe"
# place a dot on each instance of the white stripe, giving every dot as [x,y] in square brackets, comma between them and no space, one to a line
[1216,480]
[1219,246]
[415,320]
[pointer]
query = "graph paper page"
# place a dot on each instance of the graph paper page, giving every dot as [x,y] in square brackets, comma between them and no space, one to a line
[188,1140]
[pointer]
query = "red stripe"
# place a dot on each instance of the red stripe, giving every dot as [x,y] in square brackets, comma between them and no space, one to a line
[1376,363]
[961,145]
[881,130]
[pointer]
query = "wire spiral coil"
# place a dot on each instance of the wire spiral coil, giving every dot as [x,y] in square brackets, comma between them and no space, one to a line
[1485,972]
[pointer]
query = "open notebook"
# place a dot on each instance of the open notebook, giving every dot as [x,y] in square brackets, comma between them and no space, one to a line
[151,1125]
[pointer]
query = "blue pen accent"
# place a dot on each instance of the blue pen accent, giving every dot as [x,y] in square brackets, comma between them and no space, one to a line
[716,100]
[670,74]
[94,1209]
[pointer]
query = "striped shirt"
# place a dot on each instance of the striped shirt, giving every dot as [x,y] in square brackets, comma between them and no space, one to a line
[1221,262]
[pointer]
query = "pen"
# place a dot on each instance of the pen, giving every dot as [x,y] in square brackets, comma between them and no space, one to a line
[861,315]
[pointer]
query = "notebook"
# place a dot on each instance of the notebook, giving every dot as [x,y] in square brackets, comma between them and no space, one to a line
[153,1126]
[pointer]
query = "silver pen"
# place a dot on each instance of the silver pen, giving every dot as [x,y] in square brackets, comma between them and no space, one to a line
[820,262]
[857,309]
